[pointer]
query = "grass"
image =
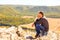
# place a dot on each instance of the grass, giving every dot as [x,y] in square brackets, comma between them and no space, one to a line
[14,20]
[52,15]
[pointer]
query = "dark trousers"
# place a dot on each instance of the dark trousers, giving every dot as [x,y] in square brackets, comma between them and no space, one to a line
[39,29]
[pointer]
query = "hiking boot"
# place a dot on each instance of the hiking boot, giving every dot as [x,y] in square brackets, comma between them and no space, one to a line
[37,36]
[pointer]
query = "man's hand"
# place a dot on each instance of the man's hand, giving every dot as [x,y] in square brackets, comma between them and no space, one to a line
[32,24]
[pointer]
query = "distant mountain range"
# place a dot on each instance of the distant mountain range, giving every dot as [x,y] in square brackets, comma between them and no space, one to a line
[24,9]
[38,8]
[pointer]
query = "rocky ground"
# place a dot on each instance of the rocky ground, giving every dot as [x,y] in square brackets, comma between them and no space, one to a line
[14,33]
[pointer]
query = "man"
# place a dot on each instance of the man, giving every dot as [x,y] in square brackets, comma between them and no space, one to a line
[41,24]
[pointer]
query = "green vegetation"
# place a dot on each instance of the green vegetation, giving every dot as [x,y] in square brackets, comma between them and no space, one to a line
[10,16]
[15,20]
[52,15]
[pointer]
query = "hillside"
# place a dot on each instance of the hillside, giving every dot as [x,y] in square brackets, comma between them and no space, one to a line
[10,16]
[50,11]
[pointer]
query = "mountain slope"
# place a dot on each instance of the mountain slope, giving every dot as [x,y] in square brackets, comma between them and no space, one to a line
[18,10]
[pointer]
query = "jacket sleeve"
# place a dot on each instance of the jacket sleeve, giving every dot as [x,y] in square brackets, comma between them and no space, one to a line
[46,24]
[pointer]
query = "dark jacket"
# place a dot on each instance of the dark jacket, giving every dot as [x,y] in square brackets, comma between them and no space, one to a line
[43,22]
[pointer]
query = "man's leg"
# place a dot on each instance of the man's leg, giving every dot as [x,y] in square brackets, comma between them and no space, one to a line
[37,33]
[42,28]
[39,27]
[37,30]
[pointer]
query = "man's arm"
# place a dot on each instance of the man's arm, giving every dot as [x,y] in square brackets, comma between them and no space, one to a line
[46,24]
[33,24]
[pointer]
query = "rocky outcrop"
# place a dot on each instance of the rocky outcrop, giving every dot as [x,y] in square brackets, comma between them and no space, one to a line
[14,33]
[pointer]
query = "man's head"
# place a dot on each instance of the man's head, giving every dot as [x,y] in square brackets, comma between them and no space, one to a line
[40,14]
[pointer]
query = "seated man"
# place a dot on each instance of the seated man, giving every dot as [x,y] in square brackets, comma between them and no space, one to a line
[41,25]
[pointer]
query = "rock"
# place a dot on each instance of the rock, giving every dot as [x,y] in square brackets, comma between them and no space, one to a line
[51,36]
[10,34]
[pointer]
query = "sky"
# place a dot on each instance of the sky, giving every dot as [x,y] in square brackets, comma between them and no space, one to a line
[31,2]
